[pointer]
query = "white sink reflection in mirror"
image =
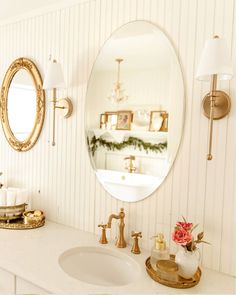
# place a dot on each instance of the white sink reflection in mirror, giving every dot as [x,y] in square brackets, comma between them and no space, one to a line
[99,266]
[122,184]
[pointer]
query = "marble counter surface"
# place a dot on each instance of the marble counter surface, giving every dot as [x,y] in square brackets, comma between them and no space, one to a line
[33,256]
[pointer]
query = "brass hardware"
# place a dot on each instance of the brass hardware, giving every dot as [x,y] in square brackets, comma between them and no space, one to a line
[222,105]
[120,243]
[30,67]
[135,248]
[131,167]
[54,116]
[216,105]
[65,106]
[103,239]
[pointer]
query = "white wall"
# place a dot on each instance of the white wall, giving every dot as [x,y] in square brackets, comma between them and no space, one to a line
[61,180]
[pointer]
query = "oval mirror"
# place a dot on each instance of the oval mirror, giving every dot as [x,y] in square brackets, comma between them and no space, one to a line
[134,111]
[22,104]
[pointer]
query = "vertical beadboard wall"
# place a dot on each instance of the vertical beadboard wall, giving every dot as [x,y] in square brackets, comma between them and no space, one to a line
[61,179]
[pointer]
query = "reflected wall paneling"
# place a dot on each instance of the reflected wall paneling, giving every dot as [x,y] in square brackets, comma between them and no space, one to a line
[60,178]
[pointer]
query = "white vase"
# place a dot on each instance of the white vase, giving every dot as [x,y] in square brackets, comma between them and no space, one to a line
[188,262]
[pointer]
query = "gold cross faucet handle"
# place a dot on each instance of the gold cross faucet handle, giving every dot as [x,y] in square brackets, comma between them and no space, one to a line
[135,248]
[103,239]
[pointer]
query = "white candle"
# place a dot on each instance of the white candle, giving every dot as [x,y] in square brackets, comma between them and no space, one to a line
[11,197]
[3,197]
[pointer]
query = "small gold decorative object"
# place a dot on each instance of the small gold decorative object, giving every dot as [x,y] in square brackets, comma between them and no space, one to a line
[180,283]
[8,213]
[33,216]
[135,248]
[164,126]
[103,239]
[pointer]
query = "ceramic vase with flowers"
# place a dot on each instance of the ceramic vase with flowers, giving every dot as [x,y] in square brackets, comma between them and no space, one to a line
[188,256]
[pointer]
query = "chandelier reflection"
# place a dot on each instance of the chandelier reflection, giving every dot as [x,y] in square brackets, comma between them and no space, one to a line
[118,94]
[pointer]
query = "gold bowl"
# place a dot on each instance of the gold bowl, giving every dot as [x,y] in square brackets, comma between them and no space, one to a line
[33,216]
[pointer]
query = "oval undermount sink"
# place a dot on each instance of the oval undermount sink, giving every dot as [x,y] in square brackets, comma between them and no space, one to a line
[99,266]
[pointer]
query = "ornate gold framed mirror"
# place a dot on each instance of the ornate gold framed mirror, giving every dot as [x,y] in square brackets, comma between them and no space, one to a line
[22,104]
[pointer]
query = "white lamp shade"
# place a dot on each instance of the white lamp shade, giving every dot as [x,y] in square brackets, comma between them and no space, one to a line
[215,59]
[54,76]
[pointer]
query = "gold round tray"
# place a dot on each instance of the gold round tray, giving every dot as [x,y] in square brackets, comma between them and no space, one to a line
[180,284]
[19,224]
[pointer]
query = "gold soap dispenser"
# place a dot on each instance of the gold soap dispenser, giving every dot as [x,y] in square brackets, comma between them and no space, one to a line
[159,250]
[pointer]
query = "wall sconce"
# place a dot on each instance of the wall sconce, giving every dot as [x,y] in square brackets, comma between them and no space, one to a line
[215,64]
[54,79]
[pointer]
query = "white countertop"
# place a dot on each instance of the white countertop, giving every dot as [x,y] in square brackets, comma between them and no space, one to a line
[33,255]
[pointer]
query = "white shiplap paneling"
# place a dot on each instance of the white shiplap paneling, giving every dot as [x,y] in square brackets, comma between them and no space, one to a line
[61,180]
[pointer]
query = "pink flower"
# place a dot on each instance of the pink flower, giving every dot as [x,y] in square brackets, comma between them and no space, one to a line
[181,237]
[184,225]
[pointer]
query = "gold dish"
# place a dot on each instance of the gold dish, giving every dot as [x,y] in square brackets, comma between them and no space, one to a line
[8,213]
[19,224]
[33,216]
[180,284]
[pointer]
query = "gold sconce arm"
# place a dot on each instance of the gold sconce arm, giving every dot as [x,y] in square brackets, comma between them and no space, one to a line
[212,105]
[216,105]
[54,116]
[63,104]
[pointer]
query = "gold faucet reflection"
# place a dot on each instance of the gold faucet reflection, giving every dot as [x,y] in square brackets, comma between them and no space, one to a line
[120,243]
[131,167]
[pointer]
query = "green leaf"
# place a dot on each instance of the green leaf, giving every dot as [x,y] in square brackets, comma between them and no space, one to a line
[205,242]
[193,228]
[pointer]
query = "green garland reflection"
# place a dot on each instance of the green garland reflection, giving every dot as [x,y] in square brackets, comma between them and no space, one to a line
[137,143]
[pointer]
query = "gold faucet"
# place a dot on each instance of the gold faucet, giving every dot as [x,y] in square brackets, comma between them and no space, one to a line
[120,243]
[131,167]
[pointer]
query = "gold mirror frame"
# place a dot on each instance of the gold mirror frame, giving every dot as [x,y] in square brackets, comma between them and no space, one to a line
[30,67]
